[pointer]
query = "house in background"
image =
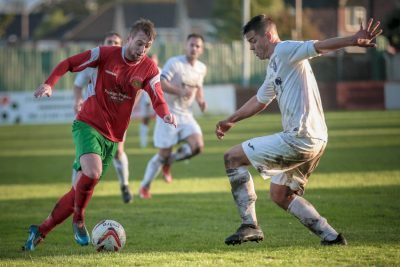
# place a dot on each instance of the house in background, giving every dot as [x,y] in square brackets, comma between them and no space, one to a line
[174,20]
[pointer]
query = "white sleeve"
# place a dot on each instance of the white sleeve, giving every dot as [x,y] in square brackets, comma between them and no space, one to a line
[168,70]
[266,93]
[82,78]
[297,50]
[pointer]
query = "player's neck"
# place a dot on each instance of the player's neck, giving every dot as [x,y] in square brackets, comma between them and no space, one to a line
[191,61]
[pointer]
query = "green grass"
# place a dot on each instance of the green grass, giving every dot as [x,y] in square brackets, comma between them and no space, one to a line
[356,186]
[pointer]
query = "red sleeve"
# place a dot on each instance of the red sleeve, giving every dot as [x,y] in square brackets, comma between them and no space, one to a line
[158,101]
[153,88]
[74,64]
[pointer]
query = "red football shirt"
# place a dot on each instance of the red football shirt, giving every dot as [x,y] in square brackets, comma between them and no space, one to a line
[114,86]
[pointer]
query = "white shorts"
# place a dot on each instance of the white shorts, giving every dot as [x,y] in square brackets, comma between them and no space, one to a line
[286,159]
[166,135]
[145,107]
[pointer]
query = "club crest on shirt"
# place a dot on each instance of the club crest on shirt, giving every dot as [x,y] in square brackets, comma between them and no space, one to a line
[137,84]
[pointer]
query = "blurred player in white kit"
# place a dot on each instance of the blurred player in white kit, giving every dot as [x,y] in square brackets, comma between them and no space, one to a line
[182,82]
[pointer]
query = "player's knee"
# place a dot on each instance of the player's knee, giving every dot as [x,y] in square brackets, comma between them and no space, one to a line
[230,159]
[238,176]
[94,173]
[282,199]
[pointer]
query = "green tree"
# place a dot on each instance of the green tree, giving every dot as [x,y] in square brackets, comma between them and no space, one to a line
[392,29]
[228,18]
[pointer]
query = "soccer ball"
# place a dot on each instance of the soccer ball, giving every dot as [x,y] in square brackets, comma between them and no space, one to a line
[108,235]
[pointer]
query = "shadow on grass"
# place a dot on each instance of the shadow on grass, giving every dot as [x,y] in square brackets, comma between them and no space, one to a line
[200,222]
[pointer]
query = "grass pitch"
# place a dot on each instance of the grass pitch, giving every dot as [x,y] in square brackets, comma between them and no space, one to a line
[356,187]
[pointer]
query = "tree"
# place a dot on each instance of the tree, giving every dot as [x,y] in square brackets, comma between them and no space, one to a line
[228,18]
[392,29]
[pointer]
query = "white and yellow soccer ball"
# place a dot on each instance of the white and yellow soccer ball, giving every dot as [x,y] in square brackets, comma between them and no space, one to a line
[108,235]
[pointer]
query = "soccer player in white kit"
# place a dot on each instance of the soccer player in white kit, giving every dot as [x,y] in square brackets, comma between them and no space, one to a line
[288,157]
[182,82]
[120,160]
[146,111]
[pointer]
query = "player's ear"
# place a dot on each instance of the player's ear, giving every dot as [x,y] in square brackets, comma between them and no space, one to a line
[268,34]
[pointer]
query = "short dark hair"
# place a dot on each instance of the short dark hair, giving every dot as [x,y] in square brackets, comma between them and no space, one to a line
[112,33]
[145,25]
[195,35]
[258,24]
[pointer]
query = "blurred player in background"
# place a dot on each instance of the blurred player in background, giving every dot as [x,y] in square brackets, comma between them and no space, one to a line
[288,157]
[120,161]
[103,119]
[182,82]
[146,113]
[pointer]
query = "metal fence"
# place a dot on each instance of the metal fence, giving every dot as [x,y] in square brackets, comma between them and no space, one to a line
[23,69]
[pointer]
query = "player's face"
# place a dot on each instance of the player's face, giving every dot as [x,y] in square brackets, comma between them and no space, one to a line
[194,48]
[259,44]
[137,46]
[113,40]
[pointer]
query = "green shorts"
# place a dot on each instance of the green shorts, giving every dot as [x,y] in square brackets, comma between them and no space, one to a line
[89,140]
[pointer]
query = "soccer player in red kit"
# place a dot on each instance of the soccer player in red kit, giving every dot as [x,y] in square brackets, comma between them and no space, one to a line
[103,119]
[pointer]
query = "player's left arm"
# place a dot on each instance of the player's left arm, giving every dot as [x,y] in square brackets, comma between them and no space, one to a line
[200,99]
[362,38]
[158,102]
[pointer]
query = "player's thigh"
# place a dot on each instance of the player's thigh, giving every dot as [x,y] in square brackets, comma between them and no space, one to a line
[93,152]
[189,128]
[271,155]
[235,157]
[165,135]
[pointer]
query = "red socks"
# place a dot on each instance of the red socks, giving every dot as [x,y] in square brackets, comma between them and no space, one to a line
[61,211]
[75,201]
[83,194]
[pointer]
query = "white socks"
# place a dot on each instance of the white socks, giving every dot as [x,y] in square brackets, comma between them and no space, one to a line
[242,187]
[310,218]
[183,152]
[122,169]
[143,131]
[152,170]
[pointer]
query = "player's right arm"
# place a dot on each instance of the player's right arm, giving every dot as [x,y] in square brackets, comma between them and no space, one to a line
[75,63]
[250,108]
[78,98]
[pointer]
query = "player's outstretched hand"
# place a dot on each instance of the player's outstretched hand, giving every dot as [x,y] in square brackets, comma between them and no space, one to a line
[170,119]
[365,36]
[222,127]
[43,90]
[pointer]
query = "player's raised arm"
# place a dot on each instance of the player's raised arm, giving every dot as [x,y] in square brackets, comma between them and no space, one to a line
[362,38]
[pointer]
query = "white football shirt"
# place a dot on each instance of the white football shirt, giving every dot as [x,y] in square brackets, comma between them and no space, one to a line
[291,81]
[177,70]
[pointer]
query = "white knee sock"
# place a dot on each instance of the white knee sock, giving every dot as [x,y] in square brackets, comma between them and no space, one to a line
[242,187]
[143,130]
[183,152]
[152,170]
[73,178]
[310,218]
[122,169]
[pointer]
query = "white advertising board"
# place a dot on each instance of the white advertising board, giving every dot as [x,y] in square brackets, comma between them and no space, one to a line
[24,108]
